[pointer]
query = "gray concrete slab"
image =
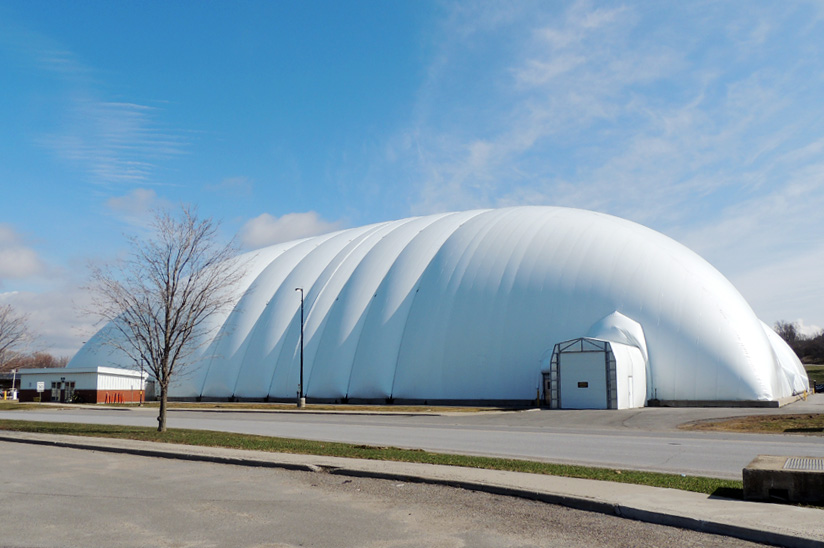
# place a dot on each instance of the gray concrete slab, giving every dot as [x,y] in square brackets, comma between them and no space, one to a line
[785,478]
[758,522]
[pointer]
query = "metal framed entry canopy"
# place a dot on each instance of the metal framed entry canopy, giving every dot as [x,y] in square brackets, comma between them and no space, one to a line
[467,306]
[594,374]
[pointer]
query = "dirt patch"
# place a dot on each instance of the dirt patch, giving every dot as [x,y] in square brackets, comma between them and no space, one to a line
[809,424]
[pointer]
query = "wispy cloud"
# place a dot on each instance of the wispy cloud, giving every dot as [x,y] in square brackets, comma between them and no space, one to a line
[266,229]
[111,141]
[565,77]
[703,122]
[605,105]
[114,143]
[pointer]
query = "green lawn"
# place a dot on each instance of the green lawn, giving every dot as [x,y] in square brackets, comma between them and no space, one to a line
[815,372]
[12,405]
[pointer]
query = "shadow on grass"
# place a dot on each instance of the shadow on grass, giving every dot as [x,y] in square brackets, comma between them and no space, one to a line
[728,493]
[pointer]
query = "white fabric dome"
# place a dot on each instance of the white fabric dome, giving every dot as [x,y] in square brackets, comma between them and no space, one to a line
[464,307]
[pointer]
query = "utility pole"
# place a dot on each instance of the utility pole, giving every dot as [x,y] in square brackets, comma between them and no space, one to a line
[301,398]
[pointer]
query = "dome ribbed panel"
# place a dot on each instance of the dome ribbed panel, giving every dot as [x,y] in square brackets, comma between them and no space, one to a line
[339,339]
[228,330]
[233,338]
[515,338]
[282,309]
[480,321]
[320,298]
[422,363]
[376,357]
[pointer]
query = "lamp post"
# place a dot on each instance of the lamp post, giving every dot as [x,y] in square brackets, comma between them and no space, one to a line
[301,398]
[142,385]
[13,382]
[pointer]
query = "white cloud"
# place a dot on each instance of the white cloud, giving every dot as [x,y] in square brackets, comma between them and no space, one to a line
[233,186]
[266,229]
[17,260]
[55,318]
[807,330]
[786,288]
[770,246]
[137,206]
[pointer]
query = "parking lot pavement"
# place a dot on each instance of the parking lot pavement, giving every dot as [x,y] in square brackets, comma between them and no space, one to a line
[56,496]
[776,524]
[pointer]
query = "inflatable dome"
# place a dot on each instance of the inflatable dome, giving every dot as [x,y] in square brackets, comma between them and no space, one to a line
[478,306]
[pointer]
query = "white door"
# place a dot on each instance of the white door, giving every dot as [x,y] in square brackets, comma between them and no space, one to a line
[583,379]
[631,399]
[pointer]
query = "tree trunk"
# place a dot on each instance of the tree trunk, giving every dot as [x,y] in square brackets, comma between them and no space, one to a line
[161,418]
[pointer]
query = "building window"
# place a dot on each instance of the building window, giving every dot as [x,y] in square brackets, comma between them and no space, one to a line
[62,391]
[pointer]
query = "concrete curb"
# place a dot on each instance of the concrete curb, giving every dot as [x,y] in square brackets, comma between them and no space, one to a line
[762,536]
[687,511]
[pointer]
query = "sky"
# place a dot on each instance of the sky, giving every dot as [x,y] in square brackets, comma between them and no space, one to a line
[703,120]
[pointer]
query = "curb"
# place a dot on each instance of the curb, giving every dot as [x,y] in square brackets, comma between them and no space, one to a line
[158,453]
[588,504]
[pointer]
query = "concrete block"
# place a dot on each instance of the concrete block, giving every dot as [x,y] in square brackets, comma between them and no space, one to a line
[785,479]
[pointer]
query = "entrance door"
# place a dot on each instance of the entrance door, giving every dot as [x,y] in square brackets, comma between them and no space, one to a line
[583,380]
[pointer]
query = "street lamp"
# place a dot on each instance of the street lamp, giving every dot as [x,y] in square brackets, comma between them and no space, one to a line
[301,399]
[142,384]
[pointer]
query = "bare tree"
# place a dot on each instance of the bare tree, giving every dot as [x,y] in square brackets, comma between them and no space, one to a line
[14,331]
[787,331]
[159,299]
[35,360]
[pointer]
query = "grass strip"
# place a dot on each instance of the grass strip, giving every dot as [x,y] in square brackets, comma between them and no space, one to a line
[208,438]
[12,406]
[807,423]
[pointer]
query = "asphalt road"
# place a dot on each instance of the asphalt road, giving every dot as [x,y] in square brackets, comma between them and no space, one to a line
[645,439]
[53,496]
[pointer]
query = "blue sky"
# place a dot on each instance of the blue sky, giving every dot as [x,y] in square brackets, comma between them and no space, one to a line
[703,120]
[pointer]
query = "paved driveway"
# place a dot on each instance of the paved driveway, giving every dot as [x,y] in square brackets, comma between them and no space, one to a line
[645,439]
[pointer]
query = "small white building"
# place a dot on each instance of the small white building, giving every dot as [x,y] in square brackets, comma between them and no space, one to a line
[83,385]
